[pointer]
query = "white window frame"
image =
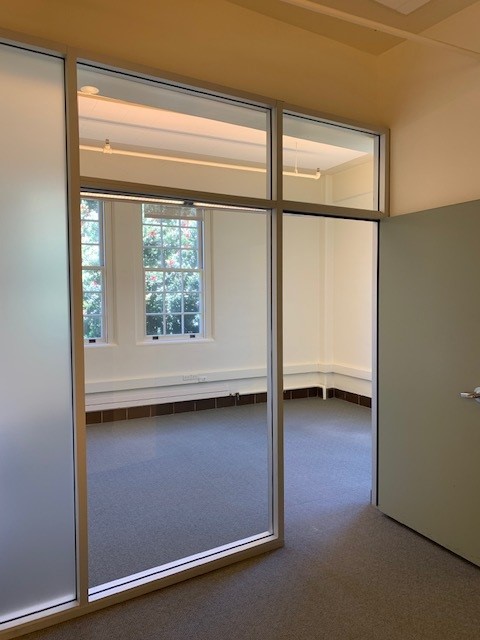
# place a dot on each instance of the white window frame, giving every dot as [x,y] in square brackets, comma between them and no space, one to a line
[205,335]
[106,244]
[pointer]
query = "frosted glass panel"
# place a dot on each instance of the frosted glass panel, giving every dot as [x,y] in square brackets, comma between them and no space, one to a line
[37,541]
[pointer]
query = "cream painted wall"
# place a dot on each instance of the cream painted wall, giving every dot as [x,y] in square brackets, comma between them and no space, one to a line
[213,41]
[303,299]
[431,101]
[190,176]
[350,291]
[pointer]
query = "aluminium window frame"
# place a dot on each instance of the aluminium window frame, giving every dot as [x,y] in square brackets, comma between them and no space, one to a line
[277,206]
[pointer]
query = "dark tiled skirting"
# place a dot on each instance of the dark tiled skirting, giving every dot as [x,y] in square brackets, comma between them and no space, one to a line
[317,392]
[148,411]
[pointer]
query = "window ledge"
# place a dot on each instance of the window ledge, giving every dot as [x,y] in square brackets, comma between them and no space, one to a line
[99,345]
[157,343]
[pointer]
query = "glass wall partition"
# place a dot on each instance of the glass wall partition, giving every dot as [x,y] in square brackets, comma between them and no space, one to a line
[181,324]
[154,133]
[37,505]
[325,163]
[179,442]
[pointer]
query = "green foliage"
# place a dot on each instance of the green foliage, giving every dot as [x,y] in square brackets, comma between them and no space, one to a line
[92,279]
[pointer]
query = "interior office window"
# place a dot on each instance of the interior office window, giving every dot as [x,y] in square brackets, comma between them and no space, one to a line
[93,270]
[139,130]
[326,163]
[173,271]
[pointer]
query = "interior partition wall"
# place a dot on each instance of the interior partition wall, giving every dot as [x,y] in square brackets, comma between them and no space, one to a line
[37,503]
[43,477]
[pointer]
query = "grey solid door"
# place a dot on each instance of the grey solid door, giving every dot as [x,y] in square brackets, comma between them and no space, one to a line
[429,352]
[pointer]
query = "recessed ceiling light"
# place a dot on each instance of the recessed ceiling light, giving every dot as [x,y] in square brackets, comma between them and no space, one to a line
[90,90]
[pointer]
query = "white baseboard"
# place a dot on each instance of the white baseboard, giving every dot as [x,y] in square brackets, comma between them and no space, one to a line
[110,394]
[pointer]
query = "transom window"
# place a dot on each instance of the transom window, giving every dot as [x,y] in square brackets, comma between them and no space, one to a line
[93,270]
[173,271]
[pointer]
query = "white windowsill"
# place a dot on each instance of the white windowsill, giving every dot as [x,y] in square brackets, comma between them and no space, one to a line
[157,343]
[99,345]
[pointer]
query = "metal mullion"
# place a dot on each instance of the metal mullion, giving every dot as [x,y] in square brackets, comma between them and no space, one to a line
[120,187]
[332,211]
[274,329]
[73,169]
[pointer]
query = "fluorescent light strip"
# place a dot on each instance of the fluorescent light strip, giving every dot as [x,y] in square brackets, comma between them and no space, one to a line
[118,196]
[204,163]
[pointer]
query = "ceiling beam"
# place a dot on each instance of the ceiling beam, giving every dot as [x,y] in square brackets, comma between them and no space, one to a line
[379,26]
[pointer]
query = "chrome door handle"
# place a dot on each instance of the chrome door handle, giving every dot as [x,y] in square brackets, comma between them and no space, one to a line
[473,395]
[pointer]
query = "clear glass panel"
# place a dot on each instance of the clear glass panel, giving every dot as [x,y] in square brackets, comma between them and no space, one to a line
[91,255]
[329,164]
[92,280]
[37,527]
[152,133]
[196,473]
[92,327]
[154,325]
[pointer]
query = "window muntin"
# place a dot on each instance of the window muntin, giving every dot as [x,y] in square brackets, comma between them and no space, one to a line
[93,270]
[173,271]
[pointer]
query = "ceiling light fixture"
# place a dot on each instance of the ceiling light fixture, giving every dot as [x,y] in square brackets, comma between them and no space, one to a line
[90,90]
[128,198]
[107,149]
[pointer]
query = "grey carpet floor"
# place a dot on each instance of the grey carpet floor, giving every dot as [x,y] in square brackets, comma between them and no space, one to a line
[346,572]
[161,489]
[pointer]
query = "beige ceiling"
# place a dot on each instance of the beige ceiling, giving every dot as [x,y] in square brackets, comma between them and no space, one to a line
[361,38]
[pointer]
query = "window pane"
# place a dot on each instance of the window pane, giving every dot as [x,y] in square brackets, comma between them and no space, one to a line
[328,164]
[152,234]
[92,328]
[192,323]
[173,324]
[173,282]
[154,303]
[154,325]
[90,232]
[189,259]
[176,138]
[189,237]
[171,235]
[191,302]
[153,257]
[154,281]
[173,259]
[91,255]
[89,209]
[92,303]
[92,280]
[173,302]
[191,282]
